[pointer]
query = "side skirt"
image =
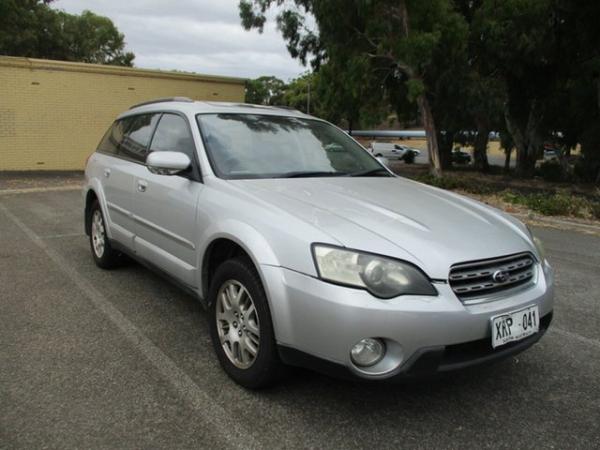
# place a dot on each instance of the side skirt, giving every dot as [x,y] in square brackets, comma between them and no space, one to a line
[184,287]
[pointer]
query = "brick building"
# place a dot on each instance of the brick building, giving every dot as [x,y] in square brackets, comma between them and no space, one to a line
[53,113]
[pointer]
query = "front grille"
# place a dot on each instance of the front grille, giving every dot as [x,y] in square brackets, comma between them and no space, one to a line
[477,279]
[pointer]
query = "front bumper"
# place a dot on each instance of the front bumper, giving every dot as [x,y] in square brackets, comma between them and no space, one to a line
[316,324]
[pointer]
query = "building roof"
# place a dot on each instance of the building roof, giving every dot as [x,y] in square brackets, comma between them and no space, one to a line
[47,64]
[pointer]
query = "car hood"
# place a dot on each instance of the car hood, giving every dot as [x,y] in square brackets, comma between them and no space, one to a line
[397,217]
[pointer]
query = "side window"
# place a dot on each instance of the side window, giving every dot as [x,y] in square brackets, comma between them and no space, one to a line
[137,137]
[173,134]
[112,139]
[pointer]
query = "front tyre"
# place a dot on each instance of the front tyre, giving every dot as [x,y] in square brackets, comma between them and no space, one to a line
[104,255]
[240,325]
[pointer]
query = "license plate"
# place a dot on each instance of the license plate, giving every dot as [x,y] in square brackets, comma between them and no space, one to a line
[515,325]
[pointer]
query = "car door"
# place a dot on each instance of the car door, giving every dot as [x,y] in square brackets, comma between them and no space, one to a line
[118,154]
[165,206]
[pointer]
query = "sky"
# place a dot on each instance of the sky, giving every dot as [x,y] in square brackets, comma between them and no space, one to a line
[203,36]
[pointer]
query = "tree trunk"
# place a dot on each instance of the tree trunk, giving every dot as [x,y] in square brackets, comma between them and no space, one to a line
[507,153]
[480,146]
[445,142]
[527,139]
[435,164]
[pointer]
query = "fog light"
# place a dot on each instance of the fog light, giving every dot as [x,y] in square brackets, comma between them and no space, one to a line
[367,352]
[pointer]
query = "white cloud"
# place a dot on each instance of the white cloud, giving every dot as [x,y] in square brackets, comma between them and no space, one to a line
[201,36]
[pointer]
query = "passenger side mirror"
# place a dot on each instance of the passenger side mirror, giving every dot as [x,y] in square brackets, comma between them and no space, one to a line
[167,163]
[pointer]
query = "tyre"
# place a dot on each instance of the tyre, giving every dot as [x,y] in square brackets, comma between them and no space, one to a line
[240,326]
[104,255]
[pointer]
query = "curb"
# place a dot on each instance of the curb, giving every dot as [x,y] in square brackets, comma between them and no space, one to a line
[558,223]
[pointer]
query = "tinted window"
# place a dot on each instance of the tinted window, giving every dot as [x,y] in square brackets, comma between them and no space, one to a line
[137,136]
[112,139]
[173,134]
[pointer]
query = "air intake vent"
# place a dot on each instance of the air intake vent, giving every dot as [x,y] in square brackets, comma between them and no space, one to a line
[476,279]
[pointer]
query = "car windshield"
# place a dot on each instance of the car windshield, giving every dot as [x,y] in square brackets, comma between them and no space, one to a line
[260,146]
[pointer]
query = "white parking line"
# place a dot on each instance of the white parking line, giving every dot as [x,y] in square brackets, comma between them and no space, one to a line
[39,189]
[578,337]
[233,433]
[63,235]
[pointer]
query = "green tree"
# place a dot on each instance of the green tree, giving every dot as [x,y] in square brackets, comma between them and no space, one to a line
[572,115]
[345,94]
[31,28]
[401,42]
[546,54]
[265,90]
[299,93]
[520,43]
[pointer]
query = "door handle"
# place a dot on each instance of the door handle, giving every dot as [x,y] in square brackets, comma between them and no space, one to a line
[107,173]
[141,186]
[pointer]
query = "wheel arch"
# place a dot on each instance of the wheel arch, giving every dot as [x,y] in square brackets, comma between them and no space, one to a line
[93,191]
[90,197]
[246,242]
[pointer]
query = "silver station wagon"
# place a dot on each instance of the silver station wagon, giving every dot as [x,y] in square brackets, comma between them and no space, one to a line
[306,250]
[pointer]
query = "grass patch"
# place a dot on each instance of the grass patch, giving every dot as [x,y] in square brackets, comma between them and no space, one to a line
[558,204]
[555,204]
[546,203]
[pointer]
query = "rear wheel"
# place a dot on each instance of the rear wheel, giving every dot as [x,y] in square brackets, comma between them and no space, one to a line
[104,255]
[240,325]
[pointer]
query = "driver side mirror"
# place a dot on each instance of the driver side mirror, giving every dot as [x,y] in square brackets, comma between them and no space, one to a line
[167,163]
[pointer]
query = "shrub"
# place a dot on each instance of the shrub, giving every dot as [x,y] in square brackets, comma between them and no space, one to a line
[551,171]
[452,183]
[587,169]
[549,205]
[595,210]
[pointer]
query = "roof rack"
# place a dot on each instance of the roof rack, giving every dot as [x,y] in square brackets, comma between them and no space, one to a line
[289,108]
[164,99]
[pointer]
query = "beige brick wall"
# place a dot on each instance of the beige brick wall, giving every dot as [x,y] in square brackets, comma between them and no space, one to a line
[53,113]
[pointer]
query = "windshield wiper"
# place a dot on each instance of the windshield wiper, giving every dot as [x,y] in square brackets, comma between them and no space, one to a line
[308,174]
[366,173]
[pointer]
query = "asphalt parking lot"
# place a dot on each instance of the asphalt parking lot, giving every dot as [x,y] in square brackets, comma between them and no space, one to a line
[122,359]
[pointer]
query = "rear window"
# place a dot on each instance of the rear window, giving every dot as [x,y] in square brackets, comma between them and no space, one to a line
[129,137]
[112,139]
[138,134]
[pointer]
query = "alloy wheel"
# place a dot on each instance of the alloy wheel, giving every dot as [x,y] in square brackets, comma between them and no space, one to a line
[98,233]
[237,324]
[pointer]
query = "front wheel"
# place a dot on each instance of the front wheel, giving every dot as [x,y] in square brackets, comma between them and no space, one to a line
[240,325]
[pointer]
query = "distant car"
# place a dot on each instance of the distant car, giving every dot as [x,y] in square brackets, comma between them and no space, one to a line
[460,157]
[393,152]
[414,150]
[410,153]
[550,154]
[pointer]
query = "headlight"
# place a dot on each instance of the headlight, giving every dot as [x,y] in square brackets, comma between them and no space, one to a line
[382,277]
[539,246]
